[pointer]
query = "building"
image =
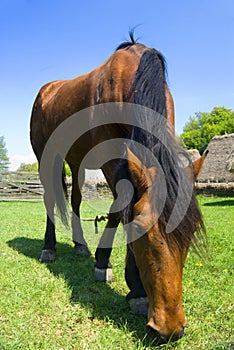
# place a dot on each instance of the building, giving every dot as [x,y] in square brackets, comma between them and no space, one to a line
[215,165]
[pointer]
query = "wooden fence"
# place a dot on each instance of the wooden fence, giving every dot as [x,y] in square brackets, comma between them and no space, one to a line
[20,185]
[27,186]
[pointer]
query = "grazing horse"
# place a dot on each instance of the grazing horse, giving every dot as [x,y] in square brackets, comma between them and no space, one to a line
[134,75]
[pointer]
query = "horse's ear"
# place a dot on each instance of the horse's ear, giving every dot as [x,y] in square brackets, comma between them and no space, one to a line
[197,164]
[141,176]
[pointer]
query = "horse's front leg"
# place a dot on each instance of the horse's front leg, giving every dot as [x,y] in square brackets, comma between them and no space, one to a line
[81,247]
[103,267]
[137,297]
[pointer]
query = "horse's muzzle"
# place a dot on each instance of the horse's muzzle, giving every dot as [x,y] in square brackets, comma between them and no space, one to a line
[159,339]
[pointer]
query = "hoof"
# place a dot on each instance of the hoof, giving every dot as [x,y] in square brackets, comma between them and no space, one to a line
[139,306]
[47,255]
[103,275]
[82,250]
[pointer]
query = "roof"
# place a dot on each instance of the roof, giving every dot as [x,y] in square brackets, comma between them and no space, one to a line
[215,165]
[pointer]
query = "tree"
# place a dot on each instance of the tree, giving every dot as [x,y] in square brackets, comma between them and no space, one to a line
[28,167]
[67,170]
[4,160]
[200,129]
[34,168]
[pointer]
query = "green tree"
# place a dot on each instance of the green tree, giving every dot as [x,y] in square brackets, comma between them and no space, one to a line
[200,129]
[28,167]
[4,160]
[34,168]
[67,169]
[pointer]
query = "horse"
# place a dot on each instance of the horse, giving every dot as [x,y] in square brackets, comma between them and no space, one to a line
[133,76]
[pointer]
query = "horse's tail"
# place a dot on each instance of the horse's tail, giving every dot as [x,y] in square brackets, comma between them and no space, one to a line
[63,208]
[148,89]
[64,182]
[60,189]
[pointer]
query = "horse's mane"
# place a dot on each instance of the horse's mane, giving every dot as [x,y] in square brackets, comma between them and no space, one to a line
[148,90]
[128,43]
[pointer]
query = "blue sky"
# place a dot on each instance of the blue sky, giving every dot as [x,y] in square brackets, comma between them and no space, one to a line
[47,40]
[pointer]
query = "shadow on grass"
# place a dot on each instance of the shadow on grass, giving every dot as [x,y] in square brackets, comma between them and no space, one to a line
[221,203]
[103,301]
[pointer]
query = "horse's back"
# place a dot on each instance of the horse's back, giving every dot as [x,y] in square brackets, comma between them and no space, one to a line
[111,81]
[57,100]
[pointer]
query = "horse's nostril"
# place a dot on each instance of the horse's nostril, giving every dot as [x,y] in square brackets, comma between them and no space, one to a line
[155,336]
[178,336]
[181,334]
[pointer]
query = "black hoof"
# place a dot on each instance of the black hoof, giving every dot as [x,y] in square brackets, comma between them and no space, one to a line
[47,255]
[82,250]
[139,306]
[103,275]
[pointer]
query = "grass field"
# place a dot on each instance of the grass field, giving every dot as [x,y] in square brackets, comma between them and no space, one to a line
[59,305]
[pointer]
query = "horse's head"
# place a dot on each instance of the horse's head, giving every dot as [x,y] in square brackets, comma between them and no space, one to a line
[159,257]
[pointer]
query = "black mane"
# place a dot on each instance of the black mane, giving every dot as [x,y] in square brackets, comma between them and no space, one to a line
[190,229]
[127,44]
[148,90]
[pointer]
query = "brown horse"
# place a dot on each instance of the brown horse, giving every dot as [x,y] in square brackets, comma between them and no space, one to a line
[155,258]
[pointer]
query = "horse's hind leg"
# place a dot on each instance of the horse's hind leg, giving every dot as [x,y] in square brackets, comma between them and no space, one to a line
[76,197]
[48,252]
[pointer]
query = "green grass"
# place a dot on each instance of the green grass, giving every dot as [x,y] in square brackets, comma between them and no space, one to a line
[60,306]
